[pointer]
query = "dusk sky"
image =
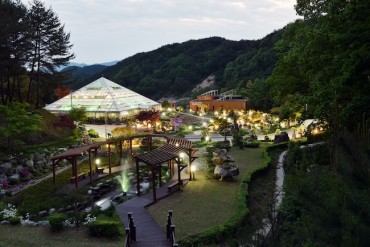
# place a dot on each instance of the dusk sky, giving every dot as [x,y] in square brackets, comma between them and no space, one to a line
[108,30]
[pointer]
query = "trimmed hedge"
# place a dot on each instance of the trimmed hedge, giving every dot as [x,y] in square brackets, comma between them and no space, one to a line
[220,233]
[105,228]
[56,222]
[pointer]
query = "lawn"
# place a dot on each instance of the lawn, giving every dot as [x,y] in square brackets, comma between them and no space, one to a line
[26,236]
[205,202]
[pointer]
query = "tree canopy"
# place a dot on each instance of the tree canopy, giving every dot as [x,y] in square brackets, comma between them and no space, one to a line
[324,65]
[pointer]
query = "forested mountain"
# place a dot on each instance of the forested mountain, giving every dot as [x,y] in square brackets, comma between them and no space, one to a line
[173,70]
[76,74]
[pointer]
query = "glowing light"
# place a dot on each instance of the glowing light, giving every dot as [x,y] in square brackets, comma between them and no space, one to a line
[204,124]
[207,138]
[190,127]
[182,155]
[163,114]
[97,161]
[216,113]
[193,168]
[176,144]
[211,120]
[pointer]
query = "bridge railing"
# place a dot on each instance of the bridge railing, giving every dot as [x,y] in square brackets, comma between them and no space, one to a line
[130,231]
[171,229]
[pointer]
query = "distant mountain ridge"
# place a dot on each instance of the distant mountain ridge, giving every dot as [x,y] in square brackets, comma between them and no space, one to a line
[175,69]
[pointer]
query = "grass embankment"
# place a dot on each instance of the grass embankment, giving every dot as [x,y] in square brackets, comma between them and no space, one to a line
[207,202]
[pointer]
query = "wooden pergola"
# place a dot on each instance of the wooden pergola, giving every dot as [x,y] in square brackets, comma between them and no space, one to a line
[169,152]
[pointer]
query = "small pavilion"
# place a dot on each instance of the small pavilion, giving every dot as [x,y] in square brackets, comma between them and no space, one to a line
[169,152]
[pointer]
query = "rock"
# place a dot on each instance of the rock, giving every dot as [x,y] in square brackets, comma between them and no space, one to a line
[19,169]
[282,137]
[52,211]
[61,210]
[3,177]
[4,222]
[6,166]
[43,213]
[15,177]
[29,163]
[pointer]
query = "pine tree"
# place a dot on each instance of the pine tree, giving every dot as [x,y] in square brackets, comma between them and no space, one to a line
[50,45]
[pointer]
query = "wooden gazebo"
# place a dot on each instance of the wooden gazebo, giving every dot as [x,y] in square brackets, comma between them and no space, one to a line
[153,158]
[169,152]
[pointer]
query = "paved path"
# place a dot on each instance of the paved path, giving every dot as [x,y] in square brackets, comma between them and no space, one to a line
[148,232]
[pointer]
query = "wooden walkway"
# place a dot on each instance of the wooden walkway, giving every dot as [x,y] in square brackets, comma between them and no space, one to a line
[148,232]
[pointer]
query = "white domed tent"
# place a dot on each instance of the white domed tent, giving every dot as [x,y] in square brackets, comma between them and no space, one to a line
[104,98]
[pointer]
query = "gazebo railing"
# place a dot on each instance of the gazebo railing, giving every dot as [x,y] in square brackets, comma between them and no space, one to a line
[171,230]
[130,231]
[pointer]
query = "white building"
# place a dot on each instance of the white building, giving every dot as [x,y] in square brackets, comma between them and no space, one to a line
[104,99]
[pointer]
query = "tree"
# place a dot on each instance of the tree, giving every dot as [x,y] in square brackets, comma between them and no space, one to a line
[50,45]
[166,104]
[17,122]
[78,114]
[325,62]
[14,48]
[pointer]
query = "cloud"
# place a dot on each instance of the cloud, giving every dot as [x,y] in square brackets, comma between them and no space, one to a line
[104,30]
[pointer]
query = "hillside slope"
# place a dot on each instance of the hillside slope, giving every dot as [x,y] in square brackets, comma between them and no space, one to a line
[174,70]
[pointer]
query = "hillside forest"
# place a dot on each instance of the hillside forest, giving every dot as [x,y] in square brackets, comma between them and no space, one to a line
[315,67]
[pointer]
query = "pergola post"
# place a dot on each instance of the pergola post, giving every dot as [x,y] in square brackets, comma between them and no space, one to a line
[109,160]
[189,164]
[74,164]
[153,168]
[160,175]
[137,177]
[150,143]
[120,148]
[90,165]
[53,172]
[130,148]
[178,170]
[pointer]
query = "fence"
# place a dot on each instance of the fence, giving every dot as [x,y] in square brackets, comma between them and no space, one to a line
[171,230]
[130,231]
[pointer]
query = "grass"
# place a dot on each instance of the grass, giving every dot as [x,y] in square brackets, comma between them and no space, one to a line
[25,236]
[206,202]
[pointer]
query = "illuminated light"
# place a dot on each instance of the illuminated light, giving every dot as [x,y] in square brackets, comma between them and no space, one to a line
[182,155]
[216,113]
[190,127]
[282,125]
[211,120]
[97,161]
[204,124]
[149,125]
[176,144]
[193,168]
[163,114]
[315,131]
[207,138]
[216,127]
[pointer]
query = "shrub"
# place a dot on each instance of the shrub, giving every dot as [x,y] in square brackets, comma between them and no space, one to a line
[105,228]
[93,133]
[252,144]
[56,222]
[16,220]
[223,145]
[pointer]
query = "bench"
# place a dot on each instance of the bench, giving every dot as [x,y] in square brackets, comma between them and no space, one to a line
[172,185]
[79,177]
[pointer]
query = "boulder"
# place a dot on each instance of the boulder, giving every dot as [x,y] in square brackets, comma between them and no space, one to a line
[6,166]
[15,177]
[29,163]
[282,137]
[19,169]
[52,211]
[43,213]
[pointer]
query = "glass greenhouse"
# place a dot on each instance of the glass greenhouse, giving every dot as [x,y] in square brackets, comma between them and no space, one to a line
[104,99]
